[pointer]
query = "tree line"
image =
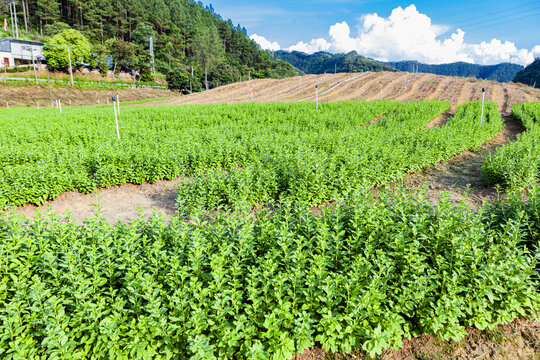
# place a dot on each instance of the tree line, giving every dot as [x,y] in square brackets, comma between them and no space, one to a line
[186,34]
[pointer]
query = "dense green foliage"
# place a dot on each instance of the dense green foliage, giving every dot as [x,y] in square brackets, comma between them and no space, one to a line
[518,164]
[332,158]
[178,80]
[57,54]
[185,34]
[503,72]
[363,275]
[234,153]
[323,62]
[530,75]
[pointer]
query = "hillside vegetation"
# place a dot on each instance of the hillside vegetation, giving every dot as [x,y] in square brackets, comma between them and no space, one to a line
[323,62]
[503,72]
[530,75]
[185,34]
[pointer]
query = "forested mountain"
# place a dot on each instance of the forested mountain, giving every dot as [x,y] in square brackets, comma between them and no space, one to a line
[503,72]
[185,34]
[321,62]
[530,75]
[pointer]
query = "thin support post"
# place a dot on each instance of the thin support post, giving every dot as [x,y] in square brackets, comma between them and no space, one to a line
[316,97]
[116,121]
[251,93]
[70,68]
[60,105]
[482,112]
[118,103]
[50,90]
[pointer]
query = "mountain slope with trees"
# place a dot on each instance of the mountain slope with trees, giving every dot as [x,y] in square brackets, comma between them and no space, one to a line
[503,72]
[323,62]
[185,34]
[530,75]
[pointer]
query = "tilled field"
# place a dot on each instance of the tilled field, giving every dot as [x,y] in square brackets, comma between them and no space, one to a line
[396,86]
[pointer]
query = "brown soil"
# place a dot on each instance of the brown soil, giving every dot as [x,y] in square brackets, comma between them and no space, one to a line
[31,95]
[456,90]
[518,340]
[119,203]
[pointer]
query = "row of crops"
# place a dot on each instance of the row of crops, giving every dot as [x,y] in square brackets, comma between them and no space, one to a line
[231,154]
[362,275]
[262,276]
[518,163]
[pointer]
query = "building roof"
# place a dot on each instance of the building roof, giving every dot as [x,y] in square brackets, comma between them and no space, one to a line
[20,41]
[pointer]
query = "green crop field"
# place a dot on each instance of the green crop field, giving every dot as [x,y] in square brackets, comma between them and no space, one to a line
[518,164]
[248,269]
[230,154]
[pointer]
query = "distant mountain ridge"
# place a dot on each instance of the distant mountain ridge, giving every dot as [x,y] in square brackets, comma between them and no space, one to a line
[321,62]
[503,72]
[530,75]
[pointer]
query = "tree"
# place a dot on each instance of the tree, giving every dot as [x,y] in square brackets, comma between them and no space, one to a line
[48,11]
[56,49]
[141,35]
[178,80]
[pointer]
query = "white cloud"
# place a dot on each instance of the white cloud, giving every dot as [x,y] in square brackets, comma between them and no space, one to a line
[264,43]
[311,47]
[536,50]
[409,34]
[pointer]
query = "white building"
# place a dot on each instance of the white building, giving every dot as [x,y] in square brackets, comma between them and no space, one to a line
[15,51]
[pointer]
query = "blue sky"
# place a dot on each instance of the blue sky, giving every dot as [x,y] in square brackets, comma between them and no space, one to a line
[289,22]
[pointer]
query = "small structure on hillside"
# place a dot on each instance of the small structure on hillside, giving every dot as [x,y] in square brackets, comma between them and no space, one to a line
[16,51]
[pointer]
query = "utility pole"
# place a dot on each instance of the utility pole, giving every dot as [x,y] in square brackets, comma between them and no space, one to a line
[70,68]
[25,16]
[13,15]
[153,68]
[205,78]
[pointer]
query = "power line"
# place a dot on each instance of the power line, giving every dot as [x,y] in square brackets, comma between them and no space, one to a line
[466,20]
[520,13]
[502,22]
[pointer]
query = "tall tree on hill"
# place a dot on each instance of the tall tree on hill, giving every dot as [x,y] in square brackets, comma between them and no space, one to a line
[209,49]
[48,11]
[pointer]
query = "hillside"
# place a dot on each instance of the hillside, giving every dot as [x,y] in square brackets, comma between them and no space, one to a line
[530,75]
[368,86]
[185,34]
[503,72]
[323,62]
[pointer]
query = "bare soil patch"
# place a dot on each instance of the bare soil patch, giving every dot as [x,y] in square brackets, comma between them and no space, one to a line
[120,203]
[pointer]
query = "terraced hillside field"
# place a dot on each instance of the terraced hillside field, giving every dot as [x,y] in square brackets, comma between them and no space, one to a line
[366,86]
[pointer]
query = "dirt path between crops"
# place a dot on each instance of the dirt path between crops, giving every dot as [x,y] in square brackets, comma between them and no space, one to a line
[463,173]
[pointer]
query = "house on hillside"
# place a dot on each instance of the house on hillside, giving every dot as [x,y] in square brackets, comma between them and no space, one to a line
[16,51]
